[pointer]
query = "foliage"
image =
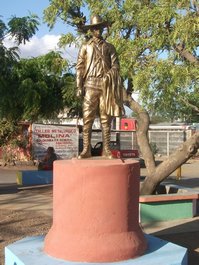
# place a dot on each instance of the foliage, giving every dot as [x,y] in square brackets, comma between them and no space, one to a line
[35,88]
[8,131]
[154,119]
[154,148]
[11,140]
[157,43]
[39,86]
[70,100]
[30,89]
[23,28]
[11,134]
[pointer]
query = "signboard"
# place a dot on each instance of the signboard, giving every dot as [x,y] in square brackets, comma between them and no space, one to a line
[63,138]
[128,124]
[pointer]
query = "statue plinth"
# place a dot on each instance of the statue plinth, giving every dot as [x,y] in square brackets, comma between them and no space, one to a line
[95,211]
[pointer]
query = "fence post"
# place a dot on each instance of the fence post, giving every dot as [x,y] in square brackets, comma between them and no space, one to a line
[178,173]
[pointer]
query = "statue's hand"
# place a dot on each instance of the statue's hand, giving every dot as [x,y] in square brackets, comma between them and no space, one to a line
[105,78]
[79,93]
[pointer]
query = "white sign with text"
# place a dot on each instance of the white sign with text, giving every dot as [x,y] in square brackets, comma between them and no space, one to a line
[63,138]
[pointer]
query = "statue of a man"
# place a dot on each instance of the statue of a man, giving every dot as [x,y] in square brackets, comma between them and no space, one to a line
[99,82]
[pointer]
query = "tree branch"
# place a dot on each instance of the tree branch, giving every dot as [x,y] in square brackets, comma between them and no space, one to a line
[142,132]
[175,160]
[185,54]
[195,108]
[196,6]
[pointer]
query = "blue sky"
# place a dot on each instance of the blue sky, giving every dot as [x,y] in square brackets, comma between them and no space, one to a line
[23,7]
[45,39]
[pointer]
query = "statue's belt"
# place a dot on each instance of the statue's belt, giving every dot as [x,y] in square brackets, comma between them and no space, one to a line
[92,78]
[96,82]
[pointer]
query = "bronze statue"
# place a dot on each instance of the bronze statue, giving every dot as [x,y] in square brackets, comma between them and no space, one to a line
[99,82]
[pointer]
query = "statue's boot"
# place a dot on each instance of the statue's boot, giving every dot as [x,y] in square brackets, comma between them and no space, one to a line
[106,134]
[86,153]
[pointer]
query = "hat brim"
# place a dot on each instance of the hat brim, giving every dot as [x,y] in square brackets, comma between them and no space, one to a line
[103,24]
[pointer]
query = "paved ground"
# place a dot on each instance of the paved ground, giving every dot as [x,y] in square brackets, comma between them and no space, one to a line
[26,212]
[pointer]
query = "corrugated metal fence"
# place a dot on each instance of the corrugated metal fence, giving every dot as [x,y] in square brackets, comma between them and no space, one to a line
[165,141]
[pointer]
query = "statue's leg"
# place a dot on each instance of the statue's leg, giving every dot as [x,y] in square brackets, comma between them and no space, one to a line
[90,106]
[106,130]
[86,152]
[106,135]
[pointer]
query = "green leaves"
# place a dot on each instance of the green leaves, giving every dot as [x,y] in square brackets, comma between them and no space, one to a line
[3,28]
[33,89]
[68,11]
[40,82]
[23,28]
[69,38]
[70,101]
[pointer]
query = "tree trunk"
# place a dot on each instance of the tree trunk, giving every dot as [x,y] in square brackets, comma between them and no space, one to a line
[155,175]
[142,131]
[175,160]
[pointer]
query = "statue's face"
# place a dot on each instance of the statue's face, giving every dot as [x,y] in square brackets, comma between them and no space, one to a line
[97,32]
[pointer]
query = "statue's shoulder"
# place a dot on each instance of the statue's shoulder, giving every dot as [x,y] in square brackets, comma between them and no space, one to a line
[86,44]
[109,46]
[83,44]
[89,42]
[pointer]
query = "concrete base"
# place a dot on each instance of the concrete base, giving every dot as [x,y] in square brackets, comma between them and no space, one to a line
[95,211]
[29,251]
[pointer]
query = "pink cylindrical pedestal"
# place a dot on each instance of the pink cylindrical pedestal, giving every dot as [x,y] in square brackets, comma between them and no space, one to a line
[95,211]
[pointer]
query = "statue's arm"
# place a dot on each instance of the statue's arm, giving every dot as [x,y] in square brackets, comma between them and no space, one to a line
[80,70]
[114,58]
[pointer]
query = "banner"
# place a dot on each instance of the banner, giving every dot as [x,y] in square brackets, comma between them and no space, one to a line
[63,138]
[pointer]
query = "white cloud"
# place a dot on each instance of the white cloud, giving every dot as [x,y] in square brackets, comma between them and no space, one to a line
[40,46]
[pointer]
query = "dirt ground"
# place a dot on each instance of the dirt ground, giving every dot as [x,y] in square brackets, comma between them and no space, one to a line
[15,225]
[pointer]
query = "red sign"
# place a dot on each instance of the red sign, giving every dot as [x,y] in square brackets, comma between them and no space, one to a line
[128,124]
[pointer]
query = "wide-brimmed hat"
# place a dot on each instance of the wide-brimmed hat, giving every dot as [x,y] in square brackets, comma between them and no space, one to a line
[96,21]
